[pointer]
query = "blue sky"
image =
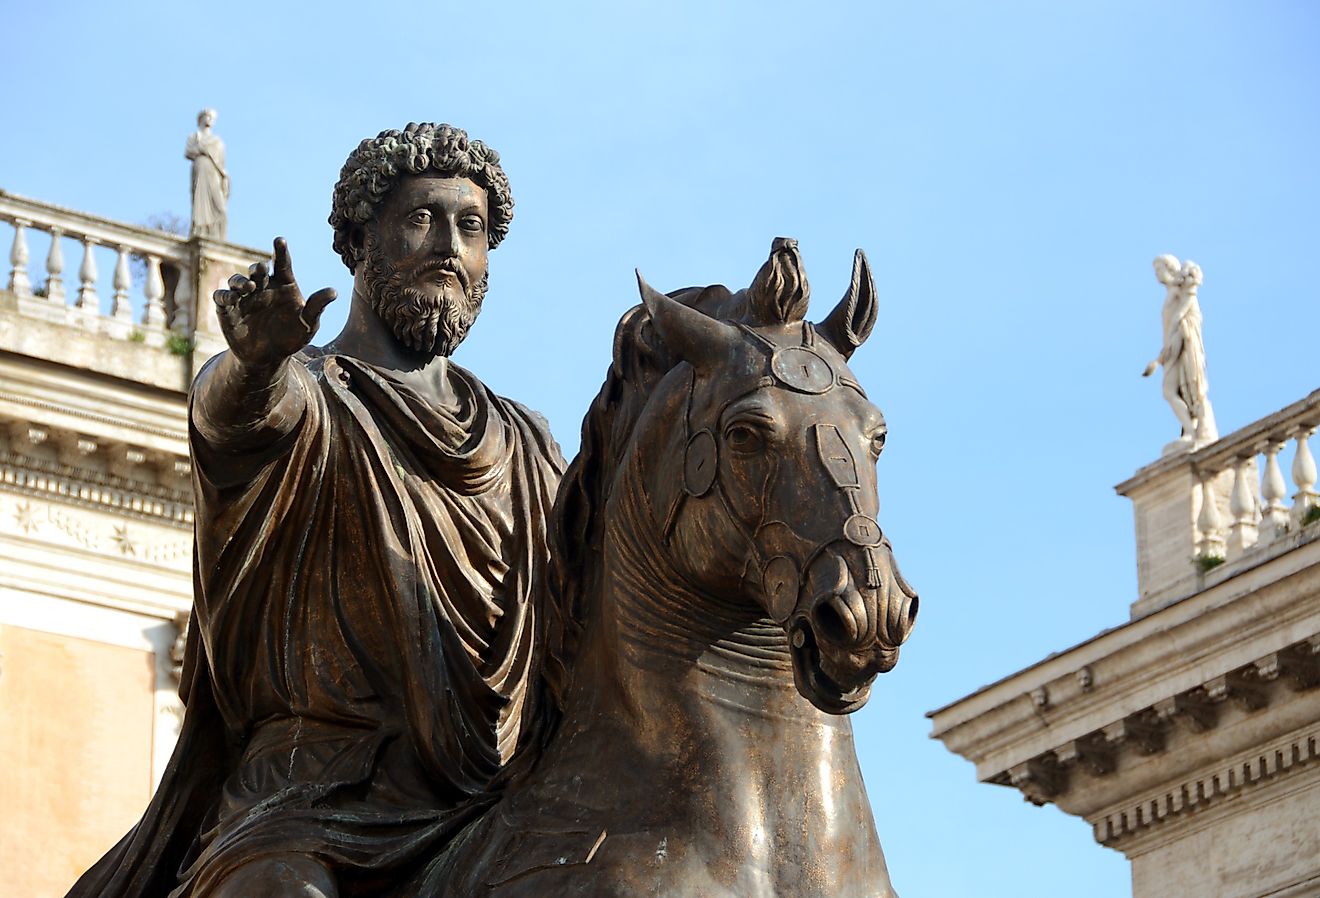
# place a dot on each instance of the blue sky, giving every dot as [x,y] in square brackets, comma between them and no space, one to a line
[1011,169]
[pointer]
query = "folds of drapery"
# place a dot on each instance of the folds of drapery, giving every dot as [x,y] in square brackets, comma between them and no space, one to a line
[363,659]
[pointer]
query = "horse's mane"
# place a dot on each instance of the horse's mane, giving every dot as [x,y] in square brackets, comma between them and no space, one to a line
[640,361]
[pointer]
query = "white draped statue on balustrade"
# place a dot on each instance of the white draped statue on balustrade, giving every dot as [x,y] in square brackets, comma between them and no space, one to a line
[1183,355]
[210,181]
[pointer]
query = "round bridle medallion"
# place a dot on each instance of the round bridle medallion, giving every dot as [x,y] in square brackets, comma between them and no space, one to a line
[802,369]
[781,583]
[862,530]
[700,464]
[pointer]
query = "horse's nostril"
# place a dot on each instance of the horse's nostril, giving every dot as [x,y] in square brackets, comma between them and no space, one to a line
[912,613]
[831,621]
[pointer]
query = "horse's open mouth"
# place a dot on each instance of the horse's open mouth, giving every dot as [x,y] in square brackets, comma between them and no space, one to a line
[818,680]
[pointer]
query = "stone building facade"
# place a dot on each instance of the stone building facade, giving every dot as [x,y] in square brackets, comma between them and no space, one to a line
[95,524]
[1188,737]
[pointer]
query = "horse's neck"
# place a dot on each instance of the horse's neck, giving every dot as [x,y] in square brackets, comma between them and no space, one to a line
[668,668]
[683,723]
[662,624]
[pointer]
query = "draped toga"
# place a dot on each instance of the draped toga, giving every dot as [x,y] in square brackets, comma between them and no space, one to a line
[210,184]
[1183,357]
[362,658]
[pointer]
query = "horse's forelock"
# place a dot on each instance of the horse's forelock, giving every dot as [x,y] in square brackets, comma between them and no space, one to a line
[779,293]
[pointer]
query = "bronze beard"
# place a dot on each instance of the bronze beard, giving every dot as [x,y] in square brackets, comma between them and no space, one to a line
[420,322]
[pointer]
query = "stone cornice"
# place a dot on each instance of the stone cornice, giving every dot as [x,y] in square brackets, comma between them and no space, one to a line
[1127,712]
[1150,748]
[119,456]
[42,406]
[1207,787]
[91,489]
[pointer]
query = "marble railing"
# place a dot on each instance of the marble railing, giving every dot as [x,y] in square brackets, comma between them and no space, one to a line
[1259,510]
[82,297]
[157,307]
[1201,516]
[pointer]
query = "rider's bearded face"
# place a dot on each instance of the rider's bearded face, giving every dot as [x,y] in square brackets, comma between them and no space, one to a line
[424,261]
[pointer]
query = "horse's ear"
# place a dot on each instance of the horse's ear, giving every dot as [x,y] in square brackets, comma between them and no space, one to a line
[693,336]
[848,326]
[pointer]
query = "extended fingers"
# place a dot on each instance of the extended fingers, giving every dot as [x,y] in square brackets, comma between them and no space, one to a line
[283,264]
[316,303]
[322,298]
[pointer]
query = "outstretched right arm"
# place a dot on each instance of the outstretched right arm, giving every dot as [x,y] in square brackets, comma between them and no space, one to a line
[246,399]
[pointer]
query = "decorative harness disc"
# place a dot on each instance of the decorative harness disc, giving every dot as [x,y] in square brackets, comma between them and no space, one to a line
[802,369]
[781,582]
[700,464]
[862,530]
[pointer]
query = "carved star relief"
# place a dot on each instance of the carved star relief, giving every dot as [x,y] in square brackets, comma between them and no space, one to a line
[25,518]
[123,540]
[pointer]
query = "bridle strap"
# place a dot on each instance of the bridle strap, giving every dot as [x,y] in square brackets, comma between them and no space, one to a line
[859,529]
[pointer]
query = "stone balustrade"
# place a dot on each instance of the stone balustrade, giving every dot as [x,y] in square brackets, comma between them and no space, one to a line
[48,289]
[1259,511]
[1203,514]
[100,295]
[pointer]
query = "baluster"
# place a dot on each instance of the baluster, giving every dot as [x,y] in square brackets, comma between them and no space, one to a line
[88,304]
[181,322]
[121,311]
[19,284]
[1274,513]
[1304,475]
[1242,533]
[1210,523]
[54,268]
[153,316]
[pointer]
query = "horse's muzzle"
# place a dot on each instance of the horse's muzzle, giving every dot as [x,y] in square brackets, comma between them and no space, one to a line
[860,629]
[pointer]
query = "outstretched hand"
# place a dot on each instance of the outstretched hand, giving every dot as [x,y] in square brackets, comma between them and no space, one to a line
[263,315]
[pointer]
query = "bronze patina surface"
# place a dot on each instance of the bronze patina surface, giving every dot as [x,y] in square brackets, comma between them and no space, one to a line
[416,669]
[729,598]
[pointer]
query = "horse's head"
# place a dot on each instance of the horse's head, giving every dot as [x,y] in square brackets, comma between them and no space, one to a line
[765,486]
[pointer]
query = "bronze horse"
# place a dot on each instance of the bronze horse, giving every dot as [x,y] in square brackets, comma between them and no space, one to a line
[719,561]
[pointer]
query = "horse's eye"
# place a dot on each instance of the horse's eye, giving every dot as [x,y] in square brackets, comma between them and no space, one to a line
[743,439]
[878,443]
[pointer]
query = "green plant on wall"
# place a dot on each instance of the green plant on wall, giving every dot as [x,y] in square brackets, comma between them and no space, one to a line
[180,345]
[1312,515]
[1209,562]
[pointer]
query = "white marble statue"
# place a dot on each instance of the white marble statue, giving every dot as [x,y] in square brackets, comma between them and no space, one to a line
[1183,355]
[210,181]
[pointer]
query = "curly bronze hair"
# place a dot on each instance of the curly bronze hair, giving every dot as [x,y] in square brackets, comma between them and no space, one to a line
[378,163]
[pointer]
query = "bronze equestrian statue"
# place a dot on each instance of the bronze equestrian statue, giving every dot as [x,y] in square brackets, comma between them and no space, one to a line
[408,676]
[717,539]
